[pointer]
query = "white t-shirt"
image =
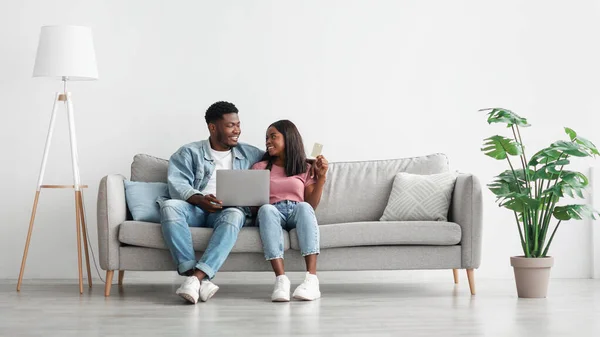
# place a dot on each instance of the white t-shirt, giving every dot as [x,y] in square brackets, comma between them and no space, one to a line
[223,161]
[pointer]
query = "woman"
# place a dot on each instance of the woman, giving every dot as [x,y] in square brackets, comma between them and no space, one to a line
[294,195]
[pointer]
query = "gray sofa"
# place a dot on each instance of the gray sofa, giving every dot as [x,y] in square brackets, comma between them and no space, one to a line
[352,237]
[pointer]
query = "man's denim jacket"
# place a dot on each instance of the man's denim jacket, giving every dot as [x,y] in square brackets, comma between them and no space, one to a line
[191,167]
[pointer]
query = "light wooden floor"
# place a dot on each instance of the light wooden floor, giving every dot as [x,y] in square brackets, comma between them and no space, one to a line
[374,309]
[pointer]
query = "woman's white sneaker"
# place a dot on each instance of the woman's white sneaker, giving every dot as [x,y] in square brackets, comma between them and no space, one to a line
[309,289]
[189,289]
[281,292]
[207,290]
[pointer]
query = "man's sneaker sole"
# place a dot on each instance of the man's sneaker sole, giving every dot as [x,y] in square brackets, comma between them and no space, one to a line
[306,298]
[280,299]
[188,298]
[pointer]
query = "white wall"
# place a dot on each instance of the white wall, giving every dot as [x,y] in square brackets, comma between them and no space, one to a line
[369,79]
[594,224]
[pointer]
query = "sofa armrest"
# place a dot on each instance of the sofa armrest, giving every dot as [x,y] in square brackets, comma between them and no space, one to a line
[112,211]
[466,210]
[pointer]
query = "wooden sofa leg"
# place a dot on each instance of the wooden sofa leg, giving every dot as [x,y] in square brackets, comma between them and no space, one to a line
[455,272]
[121,276]
[471,277]
[109,277]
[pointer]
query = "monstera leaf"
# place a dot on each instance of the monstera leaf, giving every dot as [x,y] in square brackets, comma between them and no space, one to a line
[499,147]
[582,141]
[499,115]
[577,212]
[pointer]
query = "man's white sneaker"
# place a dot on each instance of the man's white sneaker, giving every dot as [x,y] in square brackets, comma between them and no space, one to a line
[281,292]
[207,290]
[189,289]
[309,289]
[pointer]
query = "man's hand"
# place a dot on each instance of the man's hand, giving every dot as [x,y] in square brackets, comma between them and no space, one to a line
[208,203]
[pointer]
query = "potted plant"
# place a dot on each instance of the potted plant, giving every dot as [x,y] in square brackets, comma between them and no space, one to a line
[531,189]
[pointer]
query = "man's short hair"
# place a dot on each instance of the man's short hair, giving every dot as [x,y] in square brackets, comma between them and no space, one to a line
[216,111]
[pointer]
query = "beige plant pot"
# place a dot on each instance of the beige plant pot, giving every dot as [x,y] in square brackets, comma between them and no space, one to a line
[532,275]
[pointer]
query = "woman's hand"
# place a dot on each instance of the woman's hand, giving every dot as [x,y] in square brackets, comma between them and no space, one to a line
[312,192]
[321,166]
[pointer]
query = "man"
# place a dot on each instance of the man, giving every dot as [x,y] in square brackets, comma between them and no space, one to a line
[192,186]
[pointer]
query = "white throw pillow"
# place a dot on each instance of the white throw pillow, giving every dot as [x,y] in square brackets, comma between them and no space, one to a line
[417,197]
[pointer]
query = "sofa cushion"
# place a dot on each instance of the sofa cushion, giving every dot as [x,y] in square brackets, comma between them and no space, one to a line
[354,191]
[416,197]
[358,191]
[147,234]
[375,233]
[149,168]
[141,199]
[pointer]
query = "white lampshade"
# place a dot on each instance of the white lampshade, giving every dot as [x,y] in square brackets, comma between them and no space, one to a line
[66,51]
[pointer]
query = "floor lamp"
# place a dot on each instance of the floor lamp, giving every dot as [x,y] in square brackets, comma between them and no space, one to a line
[65,53]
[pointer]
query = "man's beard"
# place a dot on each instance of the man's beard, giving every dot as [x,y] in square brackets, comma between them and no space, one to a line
[225,141]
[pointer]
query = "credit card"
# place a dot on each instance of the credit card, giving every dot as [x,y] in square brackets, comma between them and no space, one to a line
[317,149]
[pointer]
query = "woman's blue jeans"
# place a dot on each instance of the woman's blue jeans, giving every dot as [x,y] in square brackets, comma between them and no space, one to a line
[273,219]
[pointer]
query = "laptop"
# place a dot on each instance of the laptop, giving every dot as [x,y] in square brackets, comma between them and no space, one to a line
[243,187]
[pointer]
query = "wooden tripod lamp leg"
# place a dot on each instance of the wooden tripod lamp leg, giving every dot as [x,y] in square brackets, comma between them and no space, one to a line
[24,260]
[81,212]
[39,184]
[76,180]
[78,230]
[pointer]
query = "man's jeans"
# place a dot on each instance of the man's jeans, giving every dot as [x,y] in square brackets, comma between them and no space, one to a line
[176,218]
[272,219]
